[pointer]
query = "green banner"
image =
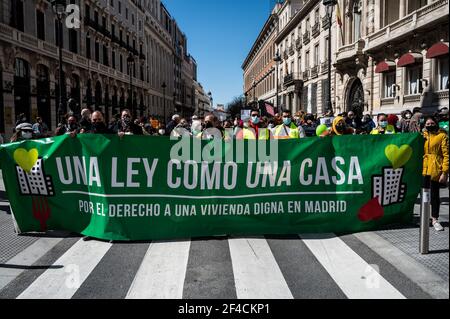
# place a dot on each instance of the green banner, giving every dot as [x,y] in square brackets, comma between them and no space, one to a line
[154,188]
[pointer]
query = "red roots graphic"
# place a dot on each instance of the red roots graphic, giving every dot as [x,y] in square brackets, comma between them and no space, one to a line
[41,211]
[371,211]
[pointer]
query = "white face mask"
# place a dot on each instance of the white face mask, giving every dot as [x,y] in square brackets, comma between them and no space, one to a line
[162,132]
[27,135]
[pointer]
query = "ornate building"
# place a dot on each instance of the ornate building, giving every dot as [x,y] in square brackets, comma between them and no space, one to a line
[387,56]
[116,39]
[393,55]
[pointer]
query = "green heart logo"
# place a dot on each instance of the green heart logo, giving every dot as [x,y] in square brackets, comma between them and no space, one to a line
[26,159]
[398,156]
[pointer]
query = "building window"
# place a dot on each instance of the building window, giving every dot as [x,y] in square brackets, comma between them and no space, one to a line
[17,15]
[413,5]
[126,13]
[113,30]
[414,77]
[316,54]
[391,9]
[121,35]
[112,3]
[96,17]
[58,36]
[113,59]
[40,25]
[307,61]
[389,84]
[73,41]
[316,17]
[443,73]
[88,47]
[87,11]
[105,55]
[121,62]
[120,7]
[357,14]
[97,52]
[132,19]
[104,22]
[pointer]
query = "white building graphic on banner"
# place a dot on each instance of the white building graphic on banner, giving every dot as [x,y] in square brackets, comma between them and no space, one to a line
[35,182]
[388,188]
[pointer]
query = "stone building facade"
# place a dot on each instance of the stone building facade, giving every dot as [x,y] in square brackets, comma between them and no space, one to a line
[387,55]
[115,38]
[393,56]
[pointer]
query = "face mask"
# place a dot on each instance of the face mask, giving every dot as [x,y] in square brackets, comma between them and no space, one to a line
[98,125]
[73,126]
[255,119]
[126,120]
[209,125]
[287,121]
[27,135]
[408,116]
[162,132]
[384,124]
[340,128]
[432,128]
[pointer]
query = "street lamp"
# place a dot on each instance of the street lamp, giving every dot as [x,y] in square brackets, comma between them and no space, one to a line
[254,92]
[130,62]
[330,6]
[164,86]
[277,60]
[59,8]
[211,99]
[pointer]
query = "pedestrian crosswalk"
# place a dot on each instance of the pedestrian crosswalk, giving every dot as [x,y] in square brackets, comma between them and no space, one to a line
[303,266]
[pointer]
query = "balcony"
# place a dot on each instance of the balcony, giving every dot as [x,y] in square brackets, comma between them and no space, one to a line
[435,12]
[350,52]
[299,44]
[325,22]
[306,38]
[315,72]
[293,79]
[291,50]
[324,67]
[315,30]
[305,75]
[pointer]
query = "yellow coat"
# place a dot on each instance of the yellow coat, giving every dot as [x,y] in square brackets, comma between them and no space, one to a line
[435,161]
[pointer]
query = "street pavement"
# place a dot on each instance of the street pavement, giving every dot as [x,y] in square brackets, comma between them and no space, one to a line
[375,265]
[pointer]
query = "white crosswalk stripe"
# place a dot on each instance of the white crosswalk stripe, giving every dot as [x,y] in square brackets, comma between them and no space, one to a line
[256,272]
[162,272]
[62,283]
[356,278]
[26,258]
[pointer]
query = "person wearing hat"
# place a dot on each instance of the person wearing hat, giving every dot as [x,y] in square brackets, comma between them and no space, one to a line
[173,124]
[23,131]
[443,119]
[339,128]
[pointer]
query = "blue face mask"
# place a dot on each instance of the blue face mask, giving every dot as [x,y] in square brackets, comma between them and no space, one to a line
[384,124]
[287,121]
[255,119]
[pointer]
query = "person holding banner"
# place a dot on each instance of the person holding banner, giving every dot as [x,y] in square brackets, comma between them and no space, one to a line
[98,125]
[288,130]
[338,128]
[383,126]
[255,129]
[435,164]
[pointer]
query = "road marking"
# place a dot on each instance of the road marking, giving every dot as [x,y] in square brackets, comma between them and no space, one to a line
[426,279]
[256,272]
[356,278]
[62,283]
[162,272]
[206,197]
[24,259]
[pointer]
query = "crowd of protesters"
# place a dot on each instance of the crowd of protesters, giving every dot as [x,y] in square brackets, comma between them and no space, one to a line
[286,125]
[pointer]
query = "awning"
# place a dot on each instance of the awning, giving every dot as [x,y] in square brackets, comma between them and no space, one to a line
[408,59]
[385,66]
[438,50]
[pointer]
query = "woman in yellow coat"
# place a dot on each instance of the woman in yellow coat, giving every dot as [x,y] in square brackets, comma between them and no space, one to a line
[435,164]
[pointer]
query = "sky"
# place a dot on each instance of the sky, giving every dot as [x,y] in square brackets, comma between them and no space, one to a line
[220,34]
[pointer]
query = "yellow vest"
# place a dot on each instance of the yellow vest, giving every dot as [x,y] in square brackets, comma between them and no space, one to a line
[293,132]
[390,129]
[249,134]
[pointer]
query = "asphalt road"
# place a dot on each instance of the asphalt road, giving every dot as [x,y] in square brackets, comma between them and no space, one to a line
[374,265]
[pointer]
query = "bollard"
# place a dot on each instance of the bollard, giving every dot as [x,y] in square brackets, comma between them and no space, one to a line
[425,215]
